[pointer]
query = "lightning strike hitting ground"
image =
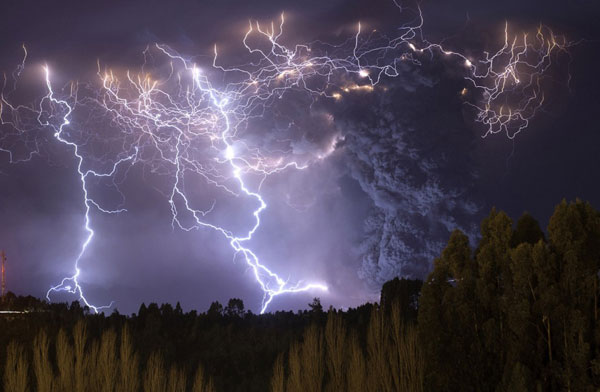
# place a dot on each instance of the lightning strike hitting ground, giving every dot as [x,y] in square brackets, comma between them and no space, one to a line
[183,121]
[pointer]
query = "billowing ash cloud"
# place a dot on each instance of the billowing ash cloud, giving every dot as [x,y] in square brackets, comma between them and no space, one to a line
[405,143]
[409,152]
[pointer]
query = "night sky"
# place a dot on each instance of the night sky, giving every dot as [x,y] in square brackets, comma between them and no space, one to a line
[403,165]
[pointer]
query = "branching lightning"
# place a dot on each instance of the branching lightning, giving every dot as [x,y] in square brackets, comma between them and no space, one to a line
[181,123]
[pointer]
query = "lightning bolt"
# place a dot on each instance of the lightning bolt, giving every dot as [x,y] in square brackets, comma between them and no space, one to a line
[71,284]
[179,123]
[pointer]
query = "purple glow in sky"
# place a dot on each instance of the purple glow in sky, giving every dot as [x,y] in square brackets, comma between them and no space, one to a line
[358,154]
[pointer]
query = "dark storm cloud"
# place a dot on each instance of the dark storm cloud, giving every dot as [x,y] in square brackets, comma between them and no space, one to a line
[403,166]
[416,168]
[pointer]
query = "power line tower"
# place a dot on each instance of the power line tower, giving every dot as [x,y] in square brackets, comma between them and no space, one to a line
[3,257]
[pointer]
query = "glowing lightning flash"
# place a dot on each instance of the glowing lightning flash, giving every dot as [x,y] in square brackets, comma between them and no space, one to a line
[71,284]
[183,124]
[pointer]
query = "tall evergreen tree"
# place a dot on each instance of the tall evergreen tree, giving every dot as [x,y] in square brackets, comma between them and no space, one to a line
[574,233]
[493,290]
[448,323]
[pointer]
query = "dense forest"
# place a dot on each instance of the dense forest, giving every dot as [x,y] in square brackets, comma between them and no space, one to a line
[516,312]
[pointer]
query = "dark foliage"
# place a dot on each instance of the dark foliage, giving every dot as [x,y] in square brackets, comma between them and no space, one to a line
[519,312]
[406,292]
[236,347]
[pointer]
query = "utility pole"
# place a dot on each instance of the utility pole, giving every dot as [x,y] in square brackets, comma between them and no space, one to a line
[3,257]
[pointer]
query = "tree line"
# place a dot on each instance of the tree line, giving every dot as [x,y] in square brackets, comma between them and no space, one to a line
[520,311]
[516,312]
